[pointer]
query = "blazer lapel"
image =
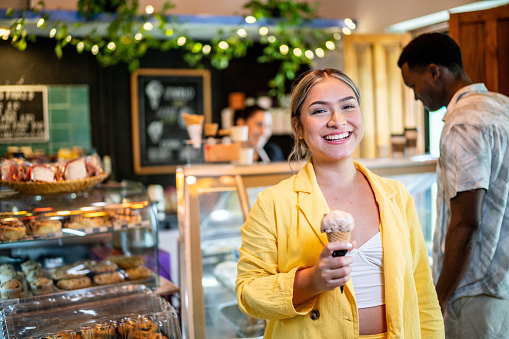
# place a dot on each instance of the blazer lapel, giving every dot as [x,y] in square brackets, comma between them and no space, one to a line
[311,201]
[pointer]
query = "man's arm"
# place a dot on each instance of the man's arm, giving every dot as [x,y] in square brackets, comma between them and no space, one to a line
[466,210]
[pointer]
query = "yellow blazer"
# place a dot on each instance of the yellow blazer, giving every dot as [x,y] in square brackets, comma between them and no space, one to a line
[282,234]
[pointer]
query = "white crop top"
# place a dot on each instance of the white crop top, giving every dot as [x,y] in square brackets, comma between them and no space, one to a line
[368,274]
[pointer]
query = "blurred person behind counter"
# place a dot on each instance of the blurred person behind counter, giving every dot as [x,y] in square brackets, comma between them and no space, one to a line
[259,122]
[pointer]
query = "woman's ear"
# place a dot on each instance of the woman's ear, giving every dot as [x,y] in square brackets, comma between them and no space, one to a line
[297,127]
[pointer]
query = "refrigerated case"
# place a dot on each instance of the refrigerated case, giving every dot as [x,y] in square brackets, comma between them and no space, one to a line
[214,201]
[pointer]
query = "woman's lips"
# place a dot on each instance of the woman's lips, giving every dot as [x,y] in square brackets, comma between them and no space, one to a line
[338,136]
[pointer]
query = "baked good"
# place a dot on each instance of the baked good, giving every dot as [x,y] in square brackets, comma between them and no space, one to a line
[43,226]
[74,283]
[122,216]
[103,267]
[41,285]
[137,273]
[30,265]
[8,275]
[6,267]
[146,327]
[81,221]
[34,274]
[11,289]
[126,262]
[108,278]
[12,229]
[70,271]
[75,169]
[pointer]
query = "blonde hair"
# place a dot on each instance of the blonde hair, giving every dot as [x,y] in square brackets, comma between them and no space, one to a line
[300,90]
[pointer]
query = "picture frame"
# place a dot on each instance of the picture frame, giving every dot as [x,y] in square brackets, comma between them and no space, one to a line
[158,99]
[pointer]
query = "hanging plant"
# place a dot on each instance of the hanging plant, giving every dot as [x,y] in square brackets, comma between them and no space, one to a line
[289,41]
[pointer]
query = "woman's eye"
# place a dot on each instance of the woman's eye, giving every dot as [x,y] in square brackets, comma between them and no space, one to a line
[318,111]
[349,106]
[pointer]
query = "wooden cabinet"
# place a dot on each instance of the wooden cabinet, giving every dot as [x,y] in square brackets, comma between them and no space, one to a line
[484,40]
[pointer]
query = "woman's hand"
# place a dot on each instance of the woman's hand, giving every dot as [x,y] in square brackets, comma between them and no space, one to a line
[327,274]
[331,272]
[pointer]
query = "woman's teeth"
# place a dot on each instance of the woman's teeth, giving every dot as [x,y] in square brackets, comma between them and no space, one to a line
[337,136]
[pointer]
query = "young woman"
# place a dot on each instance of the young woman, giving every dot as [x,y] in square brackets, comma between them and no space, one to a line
[286,272]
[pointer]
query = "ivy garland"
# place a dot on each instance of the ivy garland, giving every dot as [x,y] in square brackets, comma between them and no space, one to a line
[129,35]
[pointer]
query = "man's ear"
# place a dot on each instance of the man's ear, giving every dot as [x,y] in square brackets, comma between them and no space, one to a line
[434,71]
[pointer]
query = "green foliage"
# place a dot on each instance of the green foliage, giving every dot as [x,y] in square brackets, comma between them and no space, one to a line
[127,38]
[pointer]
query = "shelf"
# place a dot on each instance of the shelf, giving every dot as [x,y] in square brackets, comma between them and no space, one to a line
[72,233]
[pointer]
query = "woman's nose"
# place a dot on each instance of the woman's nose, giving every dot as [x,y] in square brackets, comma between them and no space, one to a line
[336,119]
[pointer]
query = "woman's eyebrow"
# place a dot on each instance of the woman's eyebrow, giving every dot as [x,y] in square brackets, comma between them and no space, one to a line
[318,102]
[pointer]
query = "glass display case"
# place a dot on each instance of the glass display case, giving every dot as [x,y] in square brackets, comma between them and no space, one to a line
[214,201]
[125,311]
[58,242]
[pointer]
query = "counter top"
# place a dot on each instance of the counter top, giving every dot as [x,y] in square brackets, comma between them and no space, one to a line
[380,166]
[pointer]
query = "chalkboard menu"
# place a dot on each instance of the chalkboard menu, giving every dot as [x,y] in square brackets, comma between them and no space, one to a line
[159,97]
[24,114]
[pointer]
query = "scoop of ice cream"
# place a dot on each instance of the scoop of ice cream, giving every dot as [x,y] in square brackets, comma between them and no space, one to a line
[337,221]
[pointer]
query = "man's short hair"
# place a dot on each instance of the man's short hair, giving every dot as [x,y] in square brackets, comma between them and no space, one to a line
[432,48]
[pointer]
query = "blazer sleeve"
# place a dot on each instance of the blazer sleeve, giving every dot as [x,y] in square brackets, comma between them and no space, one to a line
[432,323]
[262,290]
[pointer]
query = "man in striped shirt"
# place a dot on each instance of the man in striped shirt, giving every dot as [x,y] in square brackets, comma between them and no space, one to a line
[471,243]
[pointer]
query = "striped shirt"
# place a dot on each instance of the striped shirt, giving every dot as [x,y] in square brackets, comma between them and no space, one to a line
[474,153]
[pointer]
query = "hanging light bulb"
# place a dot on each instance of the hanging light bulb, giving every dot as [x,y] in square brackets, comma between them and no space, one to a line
[206,49]
[284,49]
[319,52]
[181,41]
[40,22]
[263,31]
[309,54]
[223,45]
[250,19]
[148,26]
[297,52]
[242,32]
[149,9]
[330,45]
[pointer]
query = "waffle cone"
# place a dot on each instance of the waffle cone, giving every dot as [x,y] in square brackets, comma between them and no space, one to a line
[192,119]
[338,236]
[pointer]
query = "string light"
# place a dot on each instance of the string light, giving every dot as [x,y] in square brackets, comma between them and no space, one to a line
[242,32]
[297,52]
[330,45]
[138,36]
[40,22]
[169,32]
[309,54]
[149,9]
[319,52]
[250,19]
[271,39]
[112,46]
[337,36]
[206,49]
[181,41]
[95,49]
[52,33]
[80,46]
[284,49]
[68,38]
[263,31]
[148,26]
[223,45]
[346,31]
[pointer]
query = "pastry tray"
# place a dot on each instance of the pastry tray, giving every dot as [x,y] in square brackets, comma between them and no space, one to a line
[44,316]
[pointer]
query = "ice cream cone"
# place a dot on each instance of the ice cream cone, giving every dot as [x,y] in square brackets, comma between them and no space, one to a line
[338,226]
[194,126]
[194,132]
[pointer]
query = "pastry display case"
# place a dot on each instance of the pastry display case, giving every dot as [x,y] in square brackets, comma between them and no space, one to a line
[214,201]
[60,242]
[125,311]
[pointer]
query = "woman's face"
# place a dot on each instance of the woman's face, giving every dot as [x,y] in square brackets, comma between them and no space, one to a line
[260,128]
[331,120]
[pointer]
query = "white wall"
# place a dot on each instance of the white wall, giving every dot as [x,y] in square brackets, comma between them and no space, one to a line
[372,16]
